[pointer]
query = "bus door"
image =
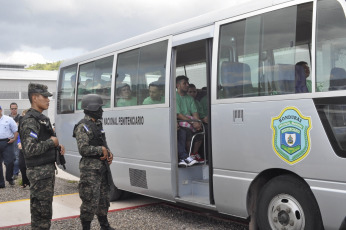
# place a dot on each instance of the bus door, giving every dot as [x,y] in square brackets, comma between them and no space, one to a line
[193,182]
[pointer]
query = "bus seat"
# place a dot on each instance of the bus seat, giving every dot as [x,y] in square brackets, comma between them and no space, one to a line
[300,80]
[235,79]
[337,79]
[284,78]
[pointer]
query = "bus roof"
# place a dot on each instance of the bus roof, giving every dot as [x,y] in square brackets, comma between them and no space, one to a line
[180,27]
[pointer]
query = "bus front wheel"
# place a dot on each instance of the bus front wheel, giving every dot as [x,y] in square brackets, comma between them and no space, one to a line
[286,202]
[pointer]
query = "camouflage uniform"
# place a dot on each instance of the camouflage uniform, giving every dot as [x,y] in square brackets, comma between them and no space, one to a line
[94,189]
[41,166]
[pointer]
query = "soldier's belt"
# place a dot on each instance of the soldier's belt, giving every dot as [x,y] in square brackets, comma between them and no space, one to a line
[93,157]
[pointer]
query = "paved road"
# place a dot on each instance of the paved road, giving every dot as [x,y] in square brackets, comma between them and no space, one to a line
[135,212]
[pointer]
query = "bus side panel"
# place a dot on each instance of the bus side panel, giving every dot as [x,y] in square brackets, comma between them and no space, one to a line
[245,144]
[331,198]
[232,197]
[140,142]
[146,178]
[64,130]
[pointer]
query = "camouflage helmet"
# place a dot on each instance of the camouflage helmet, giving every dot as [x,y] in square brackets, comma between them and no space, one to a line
[92,102]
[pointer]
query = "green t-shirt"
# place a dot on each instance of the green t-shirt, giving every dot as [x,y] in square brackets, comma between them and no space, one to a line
[186,105]
[149,101]
[202,107]
[129,102]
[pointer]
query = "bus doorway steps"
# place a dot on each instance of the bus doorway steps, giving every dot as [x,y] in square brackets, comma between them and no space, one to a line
[200,188]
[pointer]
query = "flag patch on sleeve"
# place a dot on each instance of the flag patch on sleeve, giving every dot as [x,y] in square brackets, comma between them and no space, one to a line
[86,128]
[34,135]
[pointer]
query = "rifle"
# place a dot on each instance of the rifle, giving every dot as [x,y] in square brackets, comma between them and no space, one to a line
[60,159]
[109,173]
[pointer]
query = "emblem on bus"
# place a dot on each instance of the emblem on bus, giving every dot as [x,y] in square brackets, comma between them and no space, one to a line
[291,135]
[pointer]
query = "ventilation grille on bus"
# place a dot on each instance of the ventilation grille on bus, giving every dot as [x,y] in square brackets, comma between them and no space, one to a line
[138,178]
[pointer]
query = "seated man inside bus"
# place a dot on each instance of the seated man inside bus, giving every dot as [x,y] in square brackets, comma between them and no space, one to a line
[192,91]
[184,159]
[155,94]
[307,74]
[124,96]
[97,82]
[186,111]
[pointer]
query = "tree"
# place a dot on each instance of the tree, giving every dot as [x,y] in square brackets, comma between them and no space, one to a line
[47,66]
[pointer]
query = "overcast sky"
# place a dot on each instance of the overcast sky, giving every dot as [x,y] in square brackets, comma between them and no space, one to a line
[40,31]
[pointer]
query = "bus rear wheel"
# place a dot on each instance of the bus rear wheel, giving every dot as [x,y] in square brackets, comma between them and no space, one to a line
[286,202]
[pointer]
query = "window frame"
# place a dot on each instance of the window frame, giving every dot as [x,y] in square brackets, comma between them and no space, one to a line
[77,78]
[167,74]
[59,84]
[215,56]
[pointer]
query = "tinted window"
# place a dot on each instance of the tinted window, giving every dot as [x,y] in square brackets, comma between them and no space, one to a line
[330,46]
[136,71]
[66,90]
[96,78]
[258,55]
[332,112]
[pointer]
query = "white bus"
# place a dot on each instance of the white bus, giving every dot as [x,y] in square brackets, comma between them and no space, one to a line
[276,137]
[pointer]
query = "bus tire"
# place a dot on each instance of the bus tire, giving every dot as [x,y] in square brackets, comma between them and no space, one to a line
[288,201]
[115,193]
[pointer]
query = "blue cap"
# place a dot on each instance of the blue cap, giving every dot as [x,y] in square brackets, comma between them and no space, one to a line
[0,107]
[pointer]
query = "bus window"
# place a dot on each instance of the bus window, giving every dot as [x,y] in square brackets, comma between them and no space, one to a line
[66,90]
[96,78]
[332,112]
[258,55]
[330,46]
[141,76]
[195,72]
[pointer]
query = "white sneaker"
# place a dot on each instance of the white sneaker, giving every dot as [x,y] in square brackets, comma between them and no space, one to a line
[182,163]
[189,161]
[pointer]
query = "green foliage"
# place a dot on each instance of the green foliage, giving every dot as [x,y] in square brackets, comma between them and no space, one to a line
[47,66]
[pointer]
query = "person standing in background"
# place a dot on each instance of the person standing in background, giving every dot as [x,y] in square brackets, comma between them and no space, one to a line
[15,115]
[39,145]
[8,135]
[22,165]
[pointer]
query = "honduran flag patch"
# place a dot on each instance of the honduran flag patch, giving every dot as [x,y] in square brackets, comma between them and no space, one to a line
[34,135]
[86,128]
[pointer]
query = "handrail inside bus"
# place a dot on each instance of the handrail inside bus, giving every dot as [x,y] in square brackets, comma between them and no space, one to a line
[193,137]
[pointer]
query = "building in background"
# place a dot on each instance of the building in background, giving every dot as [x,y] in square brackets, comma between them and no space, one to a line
[14,81]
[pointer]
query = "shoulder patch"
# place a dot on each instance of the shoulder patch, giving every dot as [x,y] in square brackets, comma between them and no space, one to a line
[33,134]
[86,128]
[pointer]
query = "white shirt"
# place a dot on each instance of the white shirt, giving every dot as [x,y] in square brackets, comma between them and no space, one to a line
[7,127]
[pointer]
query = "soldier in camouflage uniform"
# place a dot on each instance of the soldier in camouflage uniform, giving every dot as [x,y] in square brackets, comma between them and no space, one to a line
[39,147]
[94,184]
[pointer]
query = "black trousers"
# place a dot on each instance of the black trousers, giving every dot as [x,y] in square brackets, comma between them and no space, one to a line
[22,168]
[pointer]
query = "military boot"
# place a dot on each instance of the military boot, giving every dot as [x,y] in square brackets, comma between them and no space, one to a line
[104,223]
[86,225]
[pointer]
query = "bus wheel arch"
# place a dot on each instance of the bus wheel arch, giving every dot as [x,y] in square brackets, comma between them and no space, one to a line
[266,180]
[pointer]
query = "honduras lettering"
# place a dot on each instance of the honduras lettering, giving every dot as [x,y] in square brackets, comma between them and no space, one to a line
[291,135]
[139,120]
